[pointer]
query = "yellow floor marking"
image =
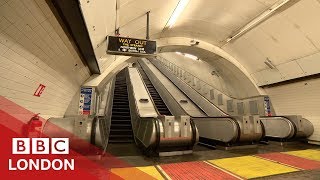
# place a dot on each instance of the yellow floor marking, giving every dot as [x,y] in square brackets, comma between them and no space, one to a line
[308,154]
[217,167]
[148,172]
[251,167]
[152,171]
[159,168]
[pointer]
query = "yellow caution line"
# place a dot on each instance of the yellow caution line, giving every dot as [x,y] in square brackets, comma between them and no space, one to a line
[221,169]
[147,172]
[162,172]
[308,154]
[152,171]
[251,167]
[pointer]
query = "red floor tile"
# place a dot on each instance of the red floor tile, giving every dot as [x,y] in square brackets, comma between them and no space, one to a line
[195,170]
[292,160]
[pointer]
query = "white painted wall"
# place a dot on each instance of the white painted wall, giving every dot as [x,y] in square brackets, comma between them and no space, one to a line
[34,49]
[100,19]
[200,69]
[290,39]
[299,98]
[229,79]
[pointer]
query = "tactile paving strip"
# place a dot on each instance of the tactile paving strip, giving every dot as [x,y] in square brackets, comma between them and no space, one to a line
[248,167]
[308,154]
[148,172]
[252,167]
[291,160]
[195,170]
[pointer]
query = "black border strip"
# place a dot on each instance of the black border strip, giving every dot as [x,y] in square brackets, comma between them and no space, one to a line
[290,81]
[70,17]
[93,130]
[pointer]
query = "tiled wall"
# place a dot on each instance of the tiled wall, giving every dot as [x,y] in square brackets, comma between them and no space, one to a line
[35,50]
[301,98]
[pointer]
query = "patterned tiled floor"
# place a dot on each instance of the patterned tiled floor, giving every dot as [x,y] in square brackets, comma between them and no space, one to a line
[244,167]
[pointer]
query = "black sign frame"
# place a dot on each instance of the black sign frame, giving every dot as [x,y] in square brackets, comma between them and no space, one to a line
[126,46]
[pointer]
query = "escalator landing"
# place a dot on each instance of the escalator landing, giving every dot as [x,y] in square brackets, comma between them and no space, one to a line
[123,149]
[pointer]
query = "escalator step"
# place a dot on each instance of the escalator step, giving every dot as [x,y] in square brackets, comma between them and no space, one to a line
[120,136]
[121,121]
[119,130]
[121,125]
[120,141]
[114,116]
[120,114]
[120,103]
[121,109]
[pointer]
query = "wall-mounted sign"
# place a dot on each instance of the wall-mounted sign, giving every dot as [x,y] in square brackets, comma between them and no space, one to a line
[267,106]
[131,47]
[39,90]
[85,102]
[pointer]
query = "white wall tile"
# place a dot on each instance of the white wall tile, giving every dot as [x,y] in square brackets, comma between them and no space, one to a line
[34,51]
[9,13]
[302,98]
[4,23]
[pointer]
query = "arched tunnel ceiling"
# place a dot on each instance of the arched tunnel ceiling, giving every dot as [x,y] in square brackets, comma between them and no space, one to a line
[209,20]
[224,68]
[289,38]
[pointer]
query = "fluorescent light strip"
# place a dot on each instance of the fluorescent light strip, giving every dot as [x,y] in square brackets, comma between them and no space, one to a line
[188,55]
[258,19]
[191,56]
[177,12]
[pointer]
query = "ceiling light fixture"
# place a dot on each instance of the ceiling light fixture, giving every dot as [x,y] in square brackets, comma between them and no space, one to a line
[176,13]
[188,55]
[191,56]
[258,19]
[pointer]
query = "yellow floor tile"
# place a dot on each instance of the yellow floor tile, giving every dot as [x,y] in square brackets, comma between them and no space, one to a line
[148,172]
[251,167]
[152,171]
[308,154]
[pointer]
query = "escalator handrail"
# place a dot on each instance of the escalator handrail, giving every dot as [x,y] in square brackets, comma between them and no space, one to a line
[295,128]
[108,111]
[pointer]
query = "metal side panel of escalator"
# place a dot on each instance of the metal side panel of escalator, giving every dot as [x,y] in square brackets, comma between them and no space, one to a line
[228,130]
[155,133]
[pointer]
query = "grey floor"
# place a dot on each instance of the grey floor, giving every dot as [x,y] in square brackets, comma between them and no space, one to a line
[130,154]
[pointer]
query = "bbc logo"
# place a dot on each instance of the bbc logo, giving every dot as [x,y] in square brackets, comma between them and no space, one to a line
[40,146]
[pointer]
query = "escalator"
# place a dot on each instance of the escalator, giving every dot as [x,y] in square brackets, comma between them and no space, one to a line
[161,106]
[121,129]
[227,130]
